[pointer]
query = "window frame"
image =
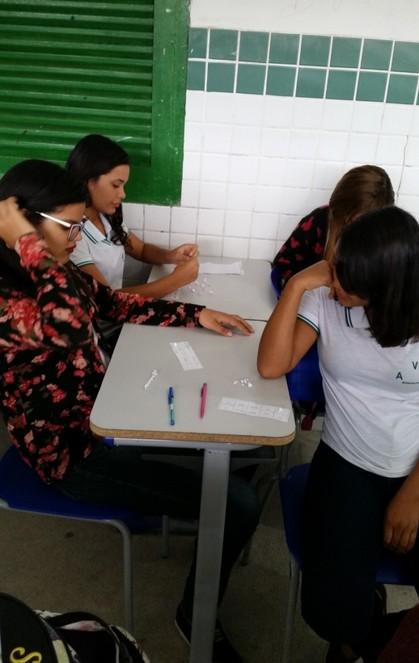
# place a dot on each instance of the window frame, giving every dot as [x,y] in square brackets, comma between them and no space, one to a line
[161,181]
[156,177]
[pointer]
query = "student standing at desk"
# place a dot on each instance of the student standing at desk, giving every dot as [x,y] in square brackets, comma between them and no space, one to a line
[102,166]
[52,365]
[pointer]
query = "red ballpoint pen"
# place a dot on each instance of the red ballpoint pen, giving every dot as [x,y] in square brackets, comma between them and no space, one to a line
[203,400]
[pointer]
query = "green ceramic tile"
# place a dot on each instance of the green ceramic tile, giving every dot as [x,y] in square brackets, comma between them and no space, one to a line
[345,52]
[220,77]
[253,46]
[197,43]
[196,75]
[402,89]
[376,54]
[284,49]
[223,44]
[405,57]
[250,78]
[371,86]
[311,82]
[280,81]
[341,84]
[314,50]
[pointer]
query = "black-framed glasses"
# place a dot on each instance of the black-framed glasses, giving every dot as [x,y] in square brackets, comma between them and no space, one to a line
[73,228]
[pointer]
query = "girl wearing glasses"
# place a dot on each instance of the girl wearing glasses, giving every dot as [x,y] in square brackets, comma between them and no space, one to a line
[52,362]
[103,167]
[362,495]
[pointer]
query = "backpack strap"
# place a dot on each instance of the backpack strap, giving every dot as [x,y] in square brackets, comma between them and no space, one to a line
[126,649]
[67,618]
[92,646]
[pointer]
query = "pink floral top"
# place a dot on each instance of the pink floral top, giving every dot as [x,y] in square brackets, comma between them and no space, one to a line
[50,366]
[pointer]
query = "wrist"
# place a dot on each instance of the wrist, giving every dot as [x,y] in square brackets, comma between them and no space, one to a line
[297,285]
[169,257]
[409,490]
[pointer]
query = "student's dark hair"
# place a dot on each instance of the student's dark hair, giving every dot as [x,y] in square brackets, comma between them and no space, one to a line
[93,156]
[39,186]
[377,259]
[362,189]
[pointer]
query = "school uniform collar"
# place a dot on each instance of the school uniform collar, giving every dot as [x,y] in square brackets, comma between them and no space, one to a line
[94,234]
[356,317]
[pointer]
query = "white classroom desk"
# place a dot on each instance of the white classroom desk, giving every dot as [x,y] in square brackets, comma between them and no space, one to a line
[132,415]
[249,294]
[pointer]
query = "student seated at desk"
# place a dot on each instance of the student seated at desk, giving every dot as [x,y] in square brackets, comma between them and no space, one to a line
[362,495]
[361,189]
[103,167]
[52,363]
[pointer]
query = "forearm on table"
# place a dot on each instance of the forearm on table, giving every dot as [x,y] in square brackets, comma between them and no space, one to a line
[156,289]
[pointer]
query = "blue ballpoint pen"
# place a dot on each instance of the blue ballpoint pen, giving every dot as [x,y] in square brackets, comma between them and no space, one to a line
[170,400]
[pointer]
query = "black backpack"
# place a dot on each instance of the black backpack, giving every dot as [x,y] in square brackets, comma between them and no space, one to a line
[29,636]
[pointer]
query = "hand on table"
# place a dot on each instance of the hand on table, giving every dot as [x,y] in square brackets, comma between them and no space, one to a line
[224,323]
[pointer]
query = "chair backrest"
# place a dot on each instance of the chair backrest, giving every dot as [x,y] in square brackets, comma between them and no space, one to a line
[392,570]
[276,279]
[22,490]
[305,381]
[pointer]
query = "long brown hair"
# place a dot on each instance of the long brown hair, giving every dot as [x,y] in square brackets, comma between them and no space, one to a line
[93,156]
[361,189]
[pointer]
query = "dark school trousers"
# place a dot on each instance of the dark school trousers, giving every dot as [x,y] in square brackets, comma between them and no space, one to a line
[343,541]
[119,476]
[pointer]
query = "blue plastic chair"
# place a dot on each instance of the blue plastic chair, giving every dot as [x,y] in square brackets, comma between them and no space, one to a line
[22,490]
[392,570]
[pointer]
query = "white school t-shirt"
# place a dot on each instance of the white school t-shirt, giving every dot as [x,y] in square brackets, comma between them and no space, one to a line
[372,393]
[94,248]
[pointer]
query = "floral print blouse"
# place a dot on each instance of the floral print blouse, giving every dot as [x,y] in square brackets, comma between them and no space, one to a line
[50,364]
[304,247]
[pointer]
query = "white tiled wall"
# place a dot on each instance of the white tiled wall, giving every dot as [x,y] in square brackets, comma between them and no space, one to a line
[378,19]
[253,165]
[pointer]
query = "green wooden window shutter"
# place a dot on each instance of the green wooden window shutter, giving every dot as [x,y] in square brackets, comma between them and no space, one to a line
[68,69]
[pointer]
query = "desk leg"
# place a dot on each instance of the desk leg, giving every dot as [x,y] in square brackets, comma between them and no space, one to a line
[210,546]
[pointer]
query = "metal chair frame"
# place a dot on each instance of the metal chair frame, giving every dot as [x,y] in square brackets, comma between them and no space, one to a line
[21,490]
[392,569]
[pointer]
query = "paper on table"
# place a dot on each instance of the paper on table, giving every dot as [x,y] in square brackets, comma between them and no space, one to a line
[252,409]
[221,268]
[186,355]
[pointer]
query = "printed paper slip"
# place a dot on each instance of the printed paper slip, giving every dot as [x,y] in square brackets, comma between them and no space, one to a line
[252,409]
[186,355]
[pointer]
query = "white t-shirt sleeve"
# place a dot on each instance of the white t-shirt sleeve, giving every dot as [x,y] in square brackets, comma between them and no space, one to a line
[309,309]
[82,254]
